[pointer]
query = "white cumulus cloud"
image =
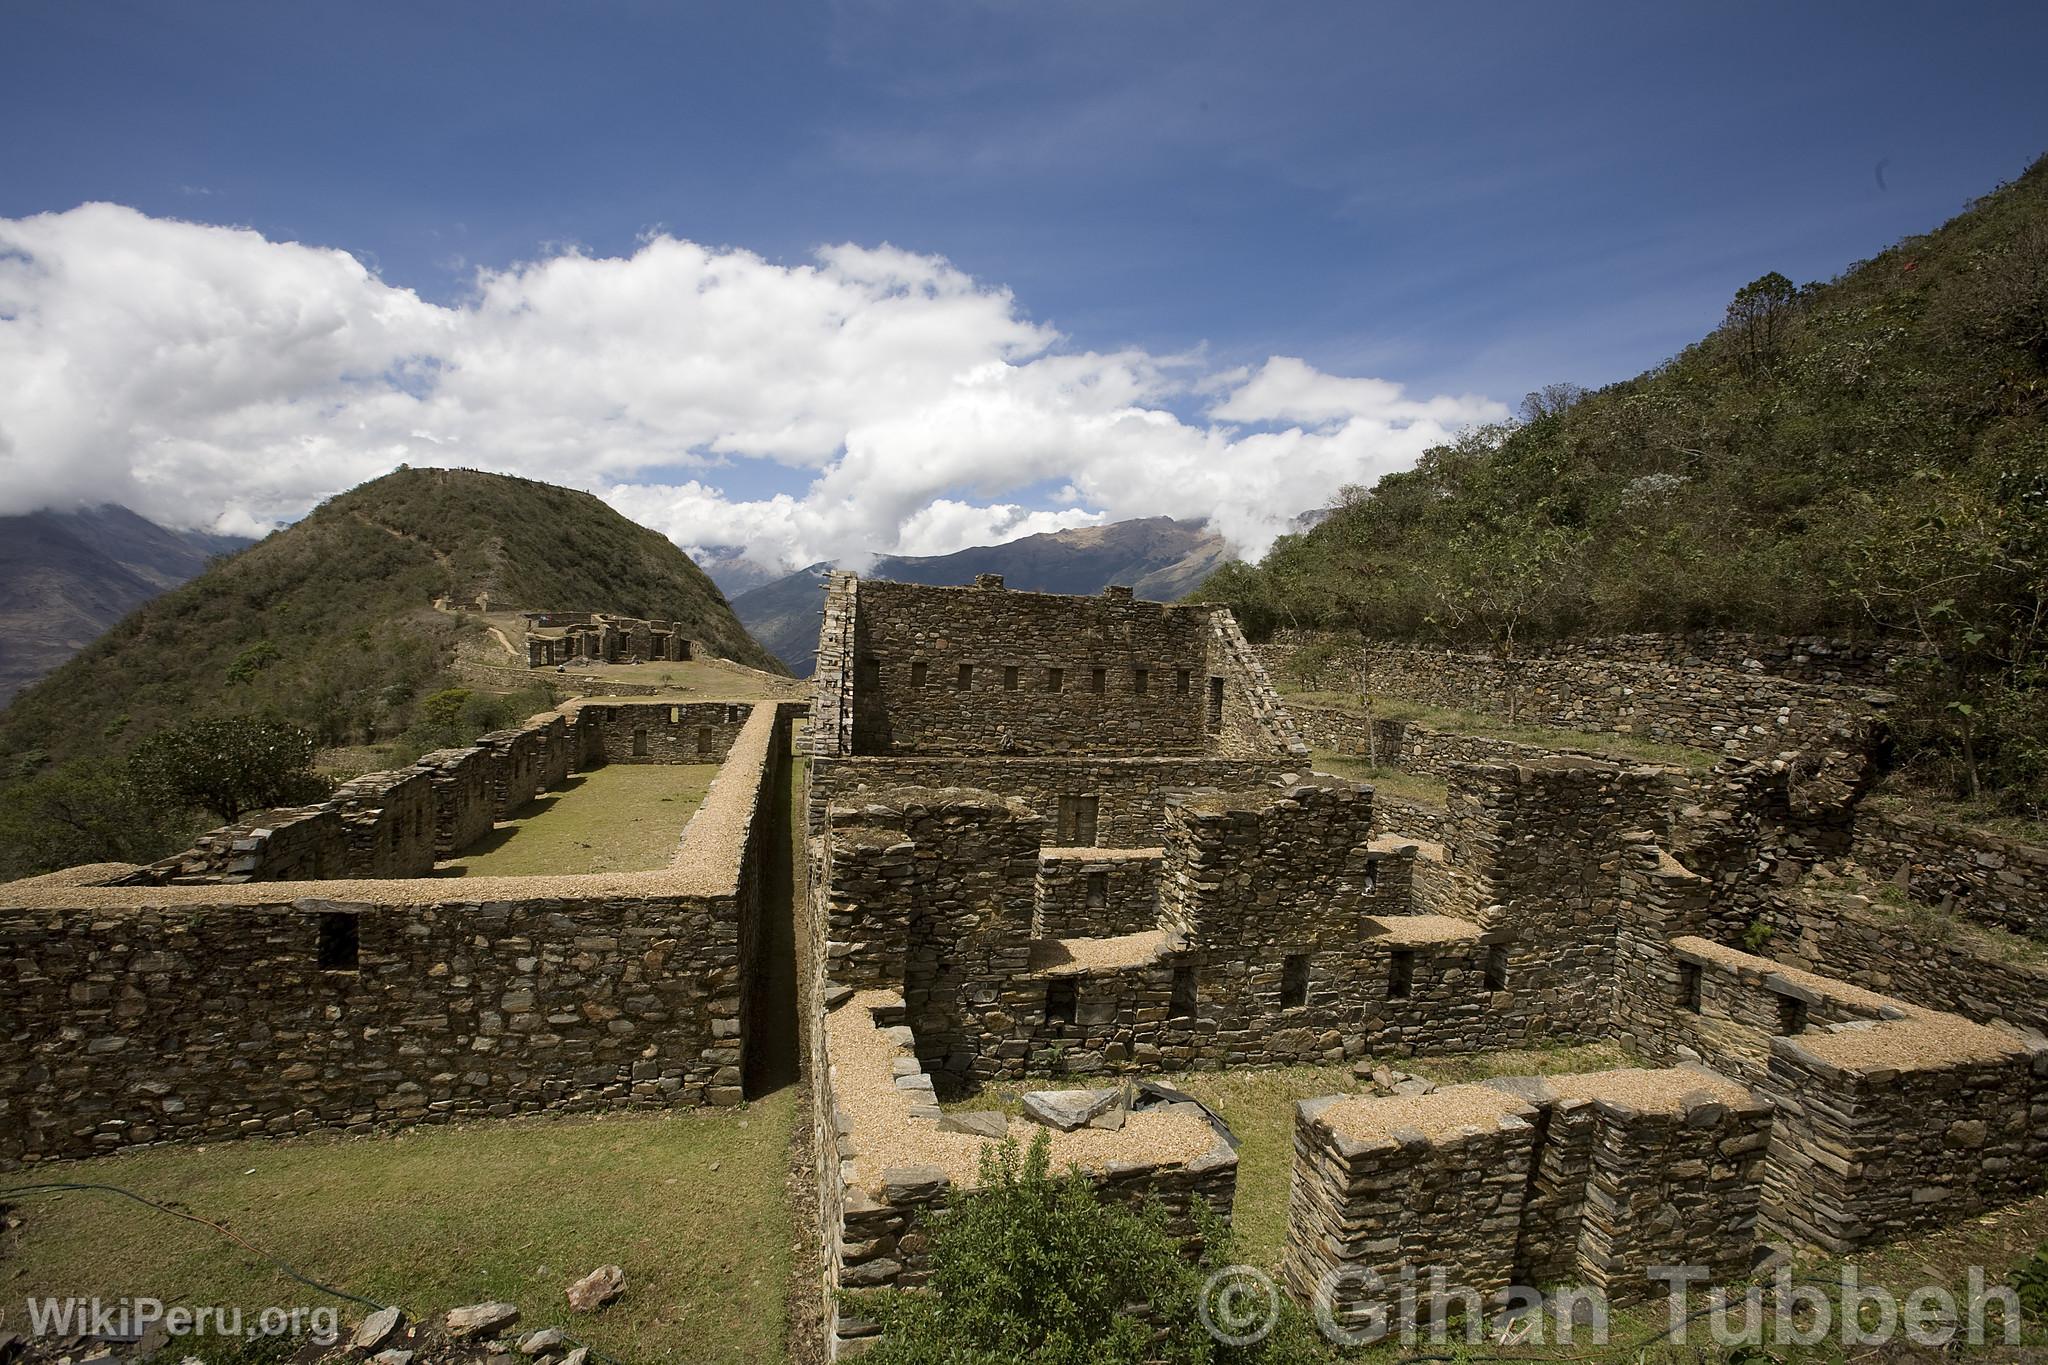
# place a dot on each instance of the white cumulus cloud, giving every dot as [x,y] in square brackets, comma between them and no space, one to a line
[208,376]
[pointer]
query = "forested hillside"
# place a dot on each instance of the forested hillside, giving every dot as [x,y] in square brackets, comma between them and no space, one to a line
[1866,456]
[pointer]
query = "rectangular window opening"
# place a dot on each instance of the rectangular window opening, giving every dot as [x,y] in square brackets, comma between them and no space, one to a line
[1181,680]
[705,742]
[1098,890]
[1496,969]
[1010,678]
[1098,680]
[340,949]
[1055,679]
[1690,978]
[1401,974]
[1294,981]
[920,674]
[639,741]
[1215,704]
[1791,1015]
[1077,821]
[1141,680]
[868,671]
[1062,1001]
[965,678]
[1185,985]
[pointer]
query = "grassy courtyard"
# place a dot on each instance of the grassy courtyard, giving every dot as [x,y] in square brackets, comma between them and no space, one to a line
[625,817]
[691,1204]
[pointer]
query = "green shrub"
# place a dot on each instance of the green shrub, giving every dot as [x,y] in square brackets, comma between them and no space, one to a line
[1031,1266]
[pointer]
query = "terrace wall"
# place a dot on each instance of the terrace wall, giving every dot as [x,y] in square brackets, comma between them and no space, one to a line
[1984,877]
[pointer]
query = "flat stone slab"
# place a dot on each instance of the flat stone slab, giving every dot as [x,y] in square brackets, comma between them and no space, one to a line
[481,1319]
[1067,1110]
[988,1125]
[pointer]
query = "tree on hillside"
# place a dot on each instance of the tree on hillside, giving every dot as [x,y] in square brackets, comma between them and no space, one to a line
[83,813]
[227,765]
[1757,320]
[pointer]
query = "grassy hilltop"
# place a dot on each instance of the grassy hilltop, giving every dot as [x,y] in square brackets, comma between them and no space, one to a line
[328,624]
[1867,456]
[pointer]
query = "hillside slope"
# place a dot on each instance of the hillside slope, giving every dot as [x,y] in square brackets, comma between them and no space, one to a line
[65,577]
[1158,557]
[1866,456]
[329,621]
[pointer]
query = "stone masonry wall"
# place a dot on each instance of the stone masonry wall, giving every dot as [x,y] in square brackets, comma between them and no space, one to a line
[1984,877]
[1982,975]
[131,1015]
[1034,661]
[661,732]
[1130,793]
[207,1022]
[1876,1143]
[1096,893]
[1802,658]
[1716,709]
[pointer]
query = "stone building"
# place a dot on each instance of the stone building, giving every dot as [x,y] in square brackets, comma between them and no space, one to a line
[590,637]
[1080,836]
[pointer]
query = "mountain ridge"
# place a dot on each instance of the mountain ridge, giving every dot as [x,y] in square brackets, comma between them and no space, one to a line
[67,575]
[329,622]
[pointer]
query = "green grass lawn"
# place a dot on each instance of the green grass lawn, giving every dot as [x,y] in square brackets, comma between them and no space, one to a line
[1497,727]
[691,1204]
[625,817]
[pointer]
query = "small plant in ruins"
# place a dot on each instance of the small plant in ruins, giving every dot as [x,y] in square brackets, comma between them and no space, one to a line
[1031,1266]
[228,765]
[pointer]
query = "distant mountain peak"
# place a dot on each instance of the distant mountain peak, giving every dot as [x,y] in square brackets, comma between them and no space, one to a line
[1160,558]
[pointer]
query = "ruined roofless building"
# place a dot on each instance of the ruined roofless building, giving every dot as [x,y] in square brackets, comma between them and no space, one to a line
[561,637]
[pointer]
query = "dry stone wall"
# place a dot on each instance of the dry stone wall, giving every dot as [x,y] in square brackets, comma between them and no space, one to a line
[1597,1179]
[1129,795]
[1983,877]
[1096,893]
[133,1015]
[1801,658]
[659,732]
[1716,709]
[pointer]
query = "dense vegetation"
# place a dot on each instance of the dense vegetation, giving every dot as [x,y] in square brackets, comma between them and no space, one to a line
[1865,457]
[1033,1266]
[328,626]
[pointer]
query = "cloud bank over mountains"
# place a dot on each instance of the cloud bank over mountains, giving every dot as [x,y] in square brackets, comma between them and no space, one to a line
[211,378]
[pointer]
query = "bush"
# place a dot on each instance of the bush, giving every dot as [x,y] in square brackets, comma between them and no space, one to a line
[84,813]
[1031,1266]
[227,765]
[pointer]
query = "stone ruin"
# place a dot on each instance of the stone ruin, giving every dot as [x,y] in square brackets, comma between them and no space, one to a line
[1080,836]
[581,638]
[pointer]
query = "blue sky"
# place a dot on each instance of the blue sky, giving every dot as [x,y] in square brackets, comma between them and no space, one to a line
[1460,199]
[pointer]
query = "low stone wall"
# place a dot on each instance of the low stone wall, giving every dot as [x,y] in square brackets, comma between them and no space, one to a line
[1375,1193]
[1596,1179]
[1800,658]
[1130,793]
[527,760]
[659,732]
[1898,1128]
[131,1015]
[1984,877]
[379,825]
[1914,957]
[889,1163]
[1096,892]
[463,802]
[1716,709]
